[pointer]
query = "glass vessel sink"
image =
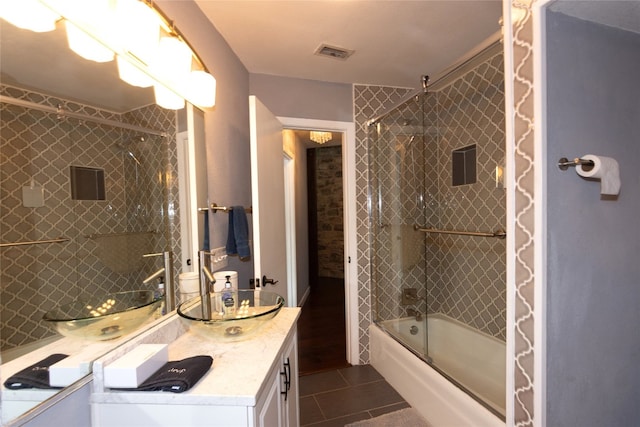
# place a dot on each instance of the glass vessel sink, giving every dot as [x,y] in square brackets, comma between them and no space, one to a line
[250,310]
[105,318]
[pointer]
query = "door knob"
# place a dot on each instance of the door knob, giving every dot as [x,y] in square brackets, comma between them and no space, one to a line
[267,281]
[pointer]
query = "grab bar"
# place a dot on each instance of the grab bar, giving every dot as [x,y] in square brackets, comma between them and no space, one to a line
[124,233]
[35,242]
[500,233]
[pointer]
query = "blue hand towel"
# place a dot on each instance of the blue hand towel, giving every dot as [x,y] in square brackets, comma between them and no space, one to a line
[241,231]
[231,237]
[205,240]
[238,237]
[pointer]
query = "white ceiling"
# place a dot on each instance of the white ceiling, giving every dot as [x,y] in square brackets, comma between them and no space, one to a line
[395,41]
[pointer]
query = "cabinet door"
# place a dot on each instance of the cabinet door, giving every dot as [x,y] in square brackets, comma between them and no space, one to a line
[290,363]
[269,407]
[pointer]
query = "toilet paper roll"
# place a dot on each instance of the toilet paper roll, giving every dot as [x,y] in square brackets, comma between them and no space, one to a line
[221,278]
[189,282]
[605,169]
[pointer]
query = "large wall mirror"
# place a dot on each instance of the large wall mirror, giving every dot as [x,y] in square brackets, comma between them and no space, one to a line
[89,200]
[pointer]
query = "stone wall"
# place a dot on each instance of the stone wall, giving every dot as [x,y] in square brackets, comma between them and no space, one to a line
[330,219]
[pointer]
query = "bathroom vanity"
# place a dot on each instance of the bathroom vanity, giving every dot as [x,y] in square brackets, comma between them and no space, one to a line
[250,383]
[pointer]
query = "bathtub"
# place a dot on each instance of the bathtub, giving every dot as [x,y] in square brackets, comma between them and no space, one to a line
[470,357]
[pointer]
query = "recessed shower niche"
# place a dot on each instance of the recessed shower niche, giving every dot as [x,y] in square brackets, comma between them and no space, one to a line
[463,166]
[87,183]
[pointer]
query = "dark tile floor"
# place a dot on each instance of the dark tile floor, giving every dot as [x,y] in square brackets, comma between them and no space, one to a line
[333,393]
[342,396]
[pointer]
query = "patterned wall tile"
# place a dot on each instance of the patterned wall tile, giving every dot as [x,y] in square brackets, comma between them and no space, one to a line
[523,137]
[416,188]
[369,101]
[471,279]
[397,159]
[40,146]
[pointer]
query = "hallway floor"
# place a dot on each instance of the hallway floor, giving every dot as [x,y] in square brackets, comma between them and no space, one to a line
[332,392]
[322,340]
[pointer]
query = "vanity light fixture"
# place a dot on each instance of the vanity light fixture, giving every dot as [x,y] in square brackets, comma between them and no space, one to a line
[29,15]
[149,48]
[320,137]
[139,33]
[97,18]
[201,84]
[85,45]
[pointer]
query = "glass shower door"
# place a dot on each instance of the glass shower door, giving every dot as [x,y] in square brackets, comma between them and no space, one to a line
[397,161]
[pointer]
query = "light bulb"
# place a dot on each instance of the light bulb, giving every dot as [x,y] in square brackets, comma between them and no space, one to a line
[86,46]
[87,22]
[172,60]
[202,89]
[29,15]
[166,98]
[138,29]
[131,74]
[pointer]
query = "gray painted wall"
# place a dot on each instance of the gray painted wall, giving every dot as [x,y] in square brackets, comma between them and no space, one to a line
[306,99]
[593,286]
[226,125]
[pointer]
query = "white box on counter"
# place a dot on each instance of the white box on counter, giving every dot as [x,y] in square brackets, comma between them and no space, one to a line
[68,370]
[130,370]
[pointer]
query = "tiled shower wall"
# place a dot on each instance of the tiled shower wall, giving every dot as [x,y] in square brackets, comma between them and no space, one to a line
[369,101]
[98,258]
[397,159]
[465,276]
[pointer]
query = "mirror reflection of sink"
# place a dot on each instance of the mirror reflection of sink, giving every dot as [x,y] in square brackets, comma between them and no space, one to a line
[105,318]
[252,310]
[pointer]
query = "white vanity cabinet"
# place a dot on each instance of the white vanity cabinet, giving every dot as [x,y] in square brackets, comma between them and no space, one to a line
[278,404]
[249,384]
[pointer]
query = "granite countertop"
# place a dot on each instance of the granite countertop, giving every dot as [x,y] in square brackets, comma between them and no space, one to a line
[236,377]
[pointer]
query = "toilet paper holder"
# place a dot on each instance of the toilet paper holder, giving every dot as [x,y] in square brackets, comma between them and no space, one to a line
[564,163]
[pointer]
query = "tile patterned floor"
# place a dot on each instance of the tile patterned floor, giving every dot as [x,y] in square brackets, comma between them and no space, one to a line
[342,396]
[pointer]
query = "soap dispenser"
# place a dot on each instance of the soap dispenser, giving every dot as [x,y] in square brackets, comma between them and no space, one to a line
[229,298]
[159,293]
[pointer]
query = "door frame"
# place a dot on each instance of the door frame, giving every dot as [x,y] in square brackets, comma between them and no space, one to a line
[290,224]
[348,129]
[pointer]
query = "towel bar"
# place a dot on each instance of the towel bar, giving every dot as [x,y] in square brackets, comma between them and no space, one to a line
[35,242]
[500,234]
[216,208]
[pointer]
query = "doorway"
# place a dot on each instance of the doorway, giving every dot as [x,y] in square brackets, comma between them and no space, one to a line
[349,255]
[321,327]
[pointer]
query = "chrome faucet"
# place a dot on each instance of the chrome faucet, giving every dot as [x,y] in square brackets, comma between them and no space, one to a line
[410,296]
[167,270]
[415,313]
[153,276]
[206,280]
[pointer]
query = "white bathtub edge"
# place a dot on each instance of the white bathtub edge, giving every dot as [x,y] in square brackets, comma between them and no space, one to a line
[441,403]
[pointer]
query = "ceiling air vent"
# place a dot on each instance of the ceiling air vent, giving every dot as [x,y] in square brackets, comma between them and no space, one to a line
[334,52]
